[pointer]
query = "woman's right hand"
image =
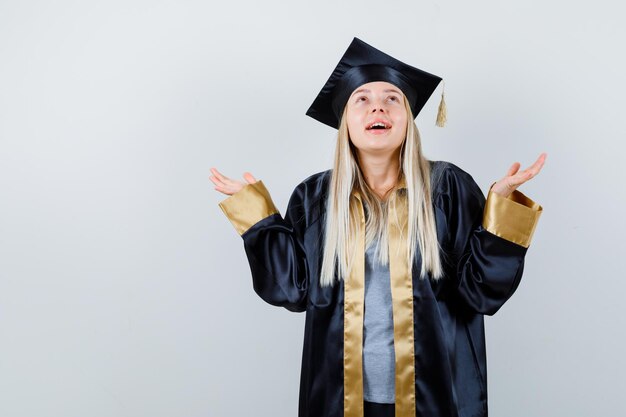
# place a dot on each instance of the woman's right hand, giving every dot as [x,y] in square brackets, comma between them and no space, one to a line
[229,186]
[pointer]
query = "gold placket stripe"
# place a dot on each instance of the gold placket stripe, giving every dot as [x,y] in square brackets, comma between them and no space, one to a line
[402,300]
[354,293]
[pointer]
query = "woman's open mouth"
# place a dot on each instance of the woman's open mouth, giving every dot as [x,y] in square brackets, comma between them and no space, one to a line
[378,127]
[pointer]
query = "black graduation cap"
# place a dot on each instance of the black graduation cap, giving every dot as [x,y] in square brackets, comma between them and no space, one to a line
[362,63]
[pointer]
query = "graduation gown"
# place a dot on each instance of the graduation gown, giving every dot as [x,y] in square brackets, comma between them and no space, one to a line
[439,336]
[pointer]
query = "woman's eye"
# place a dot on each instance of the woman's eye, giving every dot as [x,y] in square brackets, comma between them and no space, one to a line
[393,98]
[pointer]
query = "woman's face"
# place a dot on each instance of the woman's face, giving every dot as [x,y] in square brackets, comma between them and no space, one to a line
[377,118]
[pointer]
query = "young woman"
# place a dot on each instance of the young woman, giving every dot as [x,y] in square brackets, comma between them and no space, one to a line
[394,258]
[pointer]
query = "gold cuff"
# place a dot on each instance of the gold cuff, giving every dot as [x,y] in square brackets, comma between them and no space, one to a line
[513,218]
[248,206]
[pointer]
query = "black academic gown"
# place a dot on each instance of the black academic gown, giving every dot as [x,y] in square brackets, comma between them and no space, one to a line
[484,259]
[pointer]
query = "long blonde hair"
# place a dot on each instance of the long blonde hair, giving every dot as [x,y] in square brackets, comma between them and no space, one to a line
[342,212]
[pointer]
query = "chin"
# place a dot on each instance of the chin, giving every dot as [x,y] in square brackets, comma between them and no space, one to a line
[379,148]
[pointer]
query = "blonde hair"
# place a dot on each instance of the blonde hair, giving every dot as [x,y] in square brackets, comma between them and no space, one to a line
[342,212]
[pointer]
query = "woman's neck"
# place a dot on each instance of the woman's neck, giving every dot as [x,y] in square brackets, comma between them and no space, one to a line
[380,172]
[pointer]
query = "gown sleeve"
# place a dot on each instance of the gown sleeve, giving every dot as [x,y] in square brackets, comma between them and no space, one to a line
[489,240]
[274,246]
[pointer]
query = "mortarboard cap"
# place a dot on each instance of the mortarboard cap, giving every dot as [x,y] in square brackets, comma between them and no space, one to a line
[362,63]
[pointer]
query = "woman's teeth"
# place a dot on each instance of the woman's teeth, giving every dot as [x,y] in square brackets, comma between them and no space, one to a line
[378,126]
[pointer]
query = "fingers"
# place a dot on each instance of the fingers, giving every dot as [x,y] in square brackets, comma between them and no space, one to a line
[227,185]
[218,178]
[514,168]
[522,176]
[224,184]
[249,177]
[514,178]
[222,180]
[534,169]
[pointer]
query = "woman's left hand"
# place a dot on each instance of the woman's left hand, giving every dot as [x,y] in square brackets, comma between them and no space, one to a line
[514,178]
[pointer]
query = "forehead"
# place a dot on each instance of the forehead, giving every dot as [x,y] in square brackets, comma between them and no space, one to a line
[377,87]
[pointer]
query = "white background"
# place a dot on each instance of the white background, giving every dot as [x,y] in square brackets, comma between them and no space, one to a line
[125,291]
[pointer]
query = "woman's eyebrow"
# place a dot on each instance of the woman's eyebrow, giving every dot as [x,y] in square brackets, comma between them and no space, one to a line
[365,90]
[361,90]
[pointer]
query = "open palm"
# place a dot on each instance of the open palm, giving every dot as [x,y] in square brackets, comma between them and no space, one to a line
[514,177]
[227,185]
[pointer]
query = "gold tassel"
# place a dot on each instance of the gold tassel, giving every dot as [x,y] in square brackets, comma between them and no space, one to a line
[442,114]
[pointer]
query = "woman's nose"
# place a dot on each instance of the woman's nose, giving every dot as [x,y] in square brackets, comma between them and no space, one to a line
[378,106]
